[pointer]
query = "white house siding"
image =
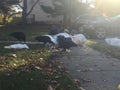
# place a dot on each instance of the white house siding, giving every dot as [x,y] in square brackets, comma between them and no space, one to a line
[39,13]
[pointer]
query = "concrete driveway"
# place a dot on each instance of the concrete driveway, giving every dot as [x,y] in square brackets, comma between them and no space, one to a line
[95,70]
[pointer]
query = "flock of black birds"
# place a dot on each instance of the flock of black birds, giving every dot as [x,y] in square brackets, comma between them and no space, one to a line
[63,42]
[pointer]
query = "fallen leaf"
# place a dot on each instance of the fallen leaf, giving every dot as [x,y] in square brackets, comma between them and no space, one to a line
[15,64]
[41,58]
[14,55]
[38,68]
[81,88]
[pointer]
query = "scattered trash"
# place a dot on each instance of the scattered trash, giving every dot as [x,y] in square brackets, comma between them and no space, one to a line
[66,35]
[113,41]
[79,39]
[62,40]
[17,46]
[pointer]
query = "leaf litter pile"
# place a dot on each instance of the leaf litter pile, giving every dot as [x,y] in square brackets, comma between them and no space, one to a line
[33,70]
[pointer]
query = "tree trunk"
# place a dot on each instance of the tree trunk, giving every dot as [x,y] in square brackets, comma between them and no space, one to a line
[66,20]
[24,13]
[4,19]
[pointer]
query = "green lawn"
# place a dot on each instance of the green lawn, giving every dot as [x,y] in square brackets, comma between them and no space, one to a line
[31,31]
[30,69]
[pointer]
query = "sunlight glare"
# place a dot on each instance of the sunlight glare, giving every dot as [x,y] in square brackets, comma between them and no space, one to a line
[83,1]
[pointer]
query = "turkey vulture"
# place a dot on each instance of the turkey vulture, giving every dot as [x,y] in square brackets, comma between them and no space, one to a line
[66,35]
[65,43]
[20,36]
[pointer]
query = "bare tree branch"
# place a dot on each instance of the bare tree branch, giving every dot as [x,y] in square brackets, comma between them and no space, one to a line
[32,7]
[20,6]
[11,15]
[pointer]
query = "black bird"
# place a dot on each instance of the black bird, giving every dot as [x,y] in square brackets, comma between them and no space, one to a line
[65,43]
[44,39]
[20,36]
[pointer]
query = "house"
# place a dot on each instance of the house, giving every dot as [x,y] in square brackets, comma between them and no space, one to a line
[38,15]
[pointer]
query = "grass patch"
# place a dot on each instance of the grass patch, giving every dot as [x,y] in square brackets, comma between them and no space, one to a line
[23,81]
[103,47]
[31,31]
[14,58]
[16,72]
[30,69]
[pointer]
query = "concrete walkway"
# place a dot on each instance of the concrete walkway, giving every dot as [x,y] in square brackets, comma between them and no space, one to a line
[95,71]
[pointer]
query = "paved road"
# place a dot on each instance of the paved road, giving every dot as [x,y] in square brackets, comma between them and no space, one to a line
[95,71]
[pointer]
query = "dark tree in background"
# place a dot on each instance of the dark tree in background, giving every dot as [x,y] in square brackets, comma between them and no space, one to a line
[66,8]
[13,1]
[24,13]
[5,8]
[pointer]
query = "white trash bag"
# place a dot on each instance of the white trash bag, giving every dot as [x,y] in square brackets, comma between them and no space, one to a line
[17,46]
[66,35]
[113,41]
[79,39]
